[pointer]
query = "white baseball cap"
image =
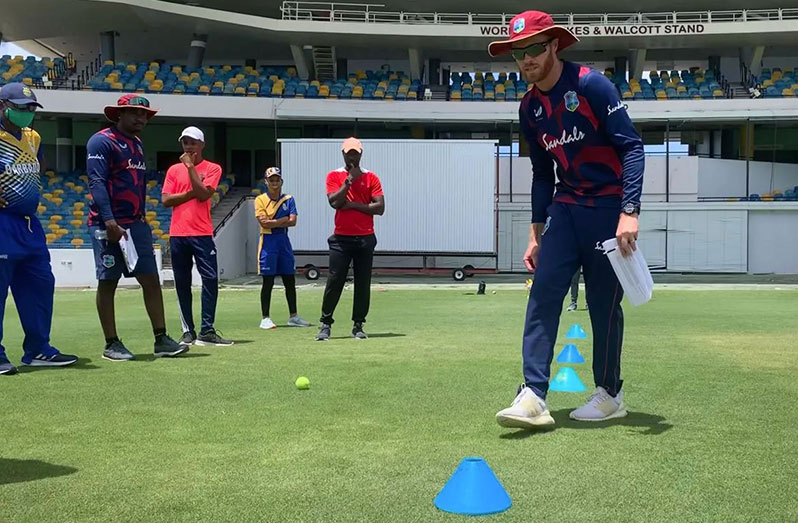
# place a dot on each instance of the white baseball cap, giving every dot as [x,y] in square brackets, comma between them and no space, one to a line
[192,132]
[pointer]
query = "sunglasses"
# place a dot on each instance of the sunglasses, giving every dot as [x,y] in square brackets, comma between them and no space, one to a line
[531,50]
[24,108]
[138,101]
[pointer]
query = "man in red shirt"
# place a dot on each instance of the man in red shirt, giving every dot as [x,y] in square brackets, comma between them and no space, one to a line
[187,189]
[356,195]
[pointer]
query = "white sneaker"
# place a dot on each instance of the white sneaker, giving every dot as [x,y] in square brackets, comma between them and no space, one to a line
[297,321]
[528,411]
[267,323]
[600,406]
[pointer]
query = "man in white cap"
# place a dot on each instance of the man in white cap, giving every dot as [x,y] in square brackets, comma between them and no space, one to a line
[187,189]
[573,117]
[356,195]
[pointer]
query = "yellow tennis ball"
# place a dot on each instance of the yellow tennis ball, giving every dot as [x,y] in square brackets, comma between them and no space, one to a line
[302,383]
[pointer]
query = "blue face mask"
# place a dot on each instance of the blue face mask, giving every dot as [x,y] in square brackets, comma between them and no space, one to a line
[19,118]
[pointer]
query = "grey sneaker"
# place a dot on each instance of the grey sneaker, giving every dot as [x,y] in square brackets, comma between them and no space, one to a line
[297,321]
[167,347]
[189,338]
[7,368]
[324,332]
[357,332]
[212,338]
[116,351]
[572,307]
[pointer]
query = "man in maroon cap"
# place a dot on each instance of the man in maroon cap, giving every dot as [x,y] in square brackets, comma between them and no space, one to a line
[573,117]
[117,179]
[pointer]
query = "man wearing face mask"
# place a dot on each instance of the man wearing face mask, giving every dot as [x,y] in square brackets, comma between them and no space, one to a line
[356,195]
[24,258]
[572,116]
[117,180]
[187,189]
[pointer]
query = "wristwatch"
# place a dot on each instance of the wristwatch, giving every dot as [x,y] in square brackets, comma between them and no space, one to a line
[631,208]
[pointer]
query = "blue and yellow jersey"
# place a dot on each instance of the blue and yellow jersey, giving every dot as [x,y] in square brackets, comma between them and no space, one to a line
[274,210]
[20,182]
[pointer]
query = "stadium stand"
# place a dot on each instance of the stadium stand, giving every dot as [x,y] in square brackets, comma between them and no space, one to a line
[41,73]
[63,208]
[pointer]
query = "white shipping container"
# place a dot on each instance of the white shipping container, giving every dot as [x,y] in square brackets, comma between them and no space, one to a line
[439,194]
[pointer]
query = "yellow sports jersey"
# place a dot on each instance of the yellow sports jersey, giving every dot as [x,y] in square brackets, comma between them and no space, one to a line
[20,182]
[274,210]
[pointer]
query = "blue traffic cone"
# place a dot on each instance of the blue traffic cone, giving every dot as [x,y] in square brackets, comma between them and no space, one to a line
[567,381]
[473,490]
[570,354]
[576,332]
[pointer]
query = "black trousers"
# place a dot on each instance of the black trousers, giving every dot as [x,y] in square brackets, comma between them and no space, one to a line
[357,251]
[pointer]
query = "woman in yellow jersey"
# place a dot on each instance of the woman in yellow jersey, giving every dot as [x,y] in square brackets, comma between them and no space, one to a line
[276,212]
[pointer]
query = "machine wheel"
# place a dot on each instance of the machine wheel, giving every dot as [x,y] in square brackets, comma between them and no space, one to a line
[459,274]
[311,272]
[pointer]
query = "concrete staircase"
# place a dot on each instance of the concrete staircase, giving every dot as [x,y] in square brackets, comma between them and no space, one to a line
[230,200]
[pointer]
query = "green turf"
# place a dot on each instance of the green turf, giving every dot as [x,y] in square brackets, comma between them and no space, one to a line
[224,435]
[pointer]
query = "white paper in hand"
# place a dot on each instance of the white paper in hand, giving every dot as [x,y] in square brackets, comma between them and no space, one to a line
[632,272]
[129,253]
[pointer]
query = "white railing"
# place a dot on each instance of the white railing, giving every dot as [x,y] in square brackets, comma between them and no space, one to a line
[371,13]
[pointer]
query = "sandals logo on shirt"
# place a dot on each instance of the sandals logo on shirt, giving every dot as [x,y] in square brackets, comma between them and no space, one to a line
[571,101]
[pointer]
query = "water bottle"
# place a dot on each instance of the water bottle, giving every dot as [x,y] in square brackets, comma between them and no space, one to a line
[101,234]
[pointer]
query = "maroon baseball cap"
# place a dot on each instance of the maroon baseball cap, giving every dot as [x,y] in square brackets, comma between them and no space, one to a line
[529,24]
[129,101]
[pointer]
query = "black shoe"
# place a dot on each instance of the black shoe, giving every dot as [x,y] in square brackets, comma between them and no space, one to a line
[56,360]
[167,347]
[7,368]
[188,339]
[324,332]
[572,307]
[357,332]
[213,338]
[116,351]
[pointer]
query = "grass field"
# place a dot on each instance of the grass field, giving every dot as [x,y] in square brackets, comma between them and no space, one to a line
[223,435]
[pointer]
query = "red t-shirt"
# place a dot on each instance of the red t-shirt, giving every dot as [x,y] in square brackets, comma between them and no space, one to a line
[192,218]
[349,222]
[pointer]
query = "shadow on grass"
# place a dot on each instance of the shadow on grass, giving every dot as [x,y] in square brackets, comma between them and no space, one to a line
[184,356]
[376,336]
[22,470]
[651,424]
[82,364]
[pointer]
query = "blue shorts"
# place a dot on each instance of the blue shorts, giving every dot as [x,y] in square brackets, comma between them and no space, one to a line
[275,255]
[108,258]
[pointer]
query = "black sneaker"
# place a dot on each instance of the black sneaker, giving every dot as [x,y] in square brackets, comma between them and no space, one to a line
[189,338]
[324,332]
[56,360]
[214,339]
[167,347]
[116,351]
[357,332]
[7,368]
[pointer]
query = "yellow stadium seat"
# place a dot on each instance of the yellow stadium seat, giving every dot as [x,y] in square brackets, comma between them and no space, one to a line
[79,205]
[41,209]
[56,218]
[788,93]
[58,192]
[62,232]
[150,215]
[77,242]
[157,232]
[50,237]
[717,93]
[76,223]
[165,237]
[79,189]
[204,89]
[108,62]
[53,227]
[155,224]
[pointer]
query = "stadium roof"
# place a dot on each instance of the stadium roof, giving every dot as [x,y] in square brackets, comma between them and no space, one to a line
[163,29]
